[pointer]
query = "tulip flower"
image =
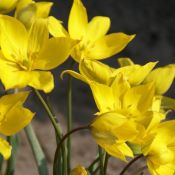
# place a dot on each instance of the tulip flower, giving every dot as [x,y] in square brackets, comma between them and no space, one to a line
[13,117]
[159,150]
[79,170]
[94,43]
[26,56]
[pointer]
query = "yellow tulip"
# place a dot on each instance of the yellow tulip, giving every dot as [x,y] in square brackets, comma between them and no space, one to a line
[94,43]
[125,114]
[26,56]
[92,70]
[7,5]
[79,170]
[13,117]
[159,150]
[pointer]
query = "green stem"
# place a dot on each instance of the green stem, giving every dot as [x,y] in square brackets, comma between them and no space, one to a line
[13,140]
[61,143]
[90,168]
[106,163]
[58,132]
[69,123]
[101,155]
[37,150]
[69,120]
[50,115]
[129,164]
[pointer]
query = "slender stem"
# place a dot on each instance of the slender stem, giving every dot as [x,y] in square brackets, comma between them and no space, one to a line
[106,163]
[13,140]
[129,164]
[101,155]
[37,150]
[69,120]
[93,163]
[50,114]
[61,142]
[58,132]
[96,170]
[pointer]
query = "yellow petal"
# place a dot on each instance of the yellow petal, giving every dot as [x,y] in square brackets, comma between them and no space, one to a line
[54,53]
[125,62]
[13,39]
[15,119]
[95,71]
[135,74]
[139,98]
[7,5]
[98,27]
[74,74]
[26,12]
[162,77]
[103,96]
[42,80]
[109,45]
[43,9]
[8,101]
[119,87]
[78,20]
[56,29]
[12,77]
[119,150]
[5,148]
[38,35]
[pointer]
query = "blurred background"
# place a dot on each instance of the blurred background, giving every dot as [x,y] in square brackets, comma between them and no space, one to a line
[153,22]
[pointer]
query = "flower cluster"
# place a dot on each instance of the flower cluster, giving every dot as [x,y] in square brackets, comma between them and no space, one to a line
[132,108]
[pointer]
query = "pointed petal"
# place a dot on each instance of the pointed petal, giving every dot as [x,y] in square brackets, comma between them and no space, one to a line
[135,74]
[54,53]
[43,9]
[109,45]
[5,148]
[12,78]
[162,77]
[8,101]
[78,20]
[95,71]
[98,27]
[119,150]
[56,29]
[103,96]
[15,119]
[13,38]
[38,35]
[42,80]
[73,74]
[139,98]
